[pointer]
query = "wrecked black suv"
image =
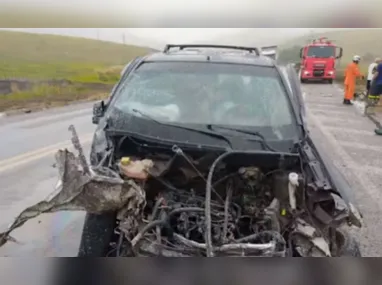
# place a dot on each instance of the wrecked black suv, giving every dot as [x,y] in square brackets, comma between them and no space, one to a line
[204,151]
[215,140]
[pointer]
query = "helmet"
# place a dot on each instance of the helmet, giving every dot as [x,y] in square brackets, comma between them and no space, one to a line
[356,58]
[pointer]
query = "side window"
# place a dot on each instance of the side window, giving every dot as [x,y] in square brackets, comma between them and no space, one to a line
[124,73]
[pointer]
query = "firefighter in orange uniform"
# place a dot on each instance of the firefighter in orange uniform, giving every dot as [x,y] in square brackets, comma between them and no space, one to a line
[351,74]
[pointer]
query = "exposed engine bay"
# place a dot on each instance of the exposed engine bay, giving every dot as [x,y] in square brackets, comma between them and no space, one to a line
[182,203]
[197,207]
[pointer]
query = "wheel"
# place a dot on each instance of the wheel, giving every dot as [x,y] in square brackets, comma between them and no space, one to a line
[330,81]
[348,244]
[302,80]
[97,234]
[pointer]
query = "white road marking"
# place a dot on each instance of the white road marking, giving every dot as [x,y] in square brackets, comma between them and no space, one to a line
[319,106]
[340,112]
[362,146]
[49,117]
[351,131]
[19,160]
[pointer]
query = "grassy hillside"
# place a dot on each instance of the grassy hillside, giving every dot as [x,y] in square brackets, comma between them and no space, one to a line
[24,55]
[84,62]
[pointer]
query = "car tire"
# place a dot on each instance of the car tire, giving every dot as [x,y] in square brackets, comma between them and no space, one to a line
[349,245]
[330,81]
[302,80]
[97,234]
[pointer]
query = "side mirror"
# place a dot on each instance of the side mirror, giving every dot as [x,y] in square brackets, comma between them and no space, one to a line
[340,53]
[301,54]
[98,111]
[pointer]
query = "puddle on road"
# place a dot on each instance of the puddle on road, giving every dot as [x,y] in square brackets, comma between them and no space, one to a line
[360,106]
[48,234]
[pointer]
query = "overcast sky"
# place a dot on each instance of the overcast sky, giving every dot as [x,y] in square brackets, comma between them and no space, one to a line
[196,34]
[193,14]
[187,34]
[181,34]
[181,12]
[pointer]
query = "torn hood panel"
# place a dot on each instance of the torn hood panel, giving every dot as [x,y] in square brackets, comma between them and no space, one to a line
[98,191]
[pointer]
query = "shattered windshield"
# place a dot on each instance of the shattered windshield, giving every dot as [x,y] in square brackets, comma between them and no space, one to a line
[207,93]
[321,52]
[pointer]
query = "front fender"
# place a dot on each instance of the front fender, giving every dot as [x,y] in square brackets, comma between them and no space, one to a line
[339,184]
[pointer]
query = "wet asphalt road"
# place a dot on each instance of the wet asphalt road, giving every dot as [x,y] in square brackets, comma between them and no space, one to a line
[29,142]
[348,138]
[27,147]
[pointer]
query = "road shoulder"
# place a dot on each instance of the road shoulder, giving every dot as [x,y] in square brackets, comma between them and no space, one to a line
[348,138]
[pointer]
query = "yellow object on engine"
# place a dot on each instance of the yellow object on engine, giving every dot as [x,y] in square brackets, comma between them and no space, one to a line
[125,160]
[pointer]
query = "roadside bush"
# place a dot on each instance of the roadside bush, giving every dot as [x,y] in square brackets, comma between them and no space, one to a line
[287,55]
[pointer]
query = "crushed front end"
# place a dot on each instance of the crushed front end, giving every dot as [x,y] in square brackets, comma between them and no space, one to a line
[184,202]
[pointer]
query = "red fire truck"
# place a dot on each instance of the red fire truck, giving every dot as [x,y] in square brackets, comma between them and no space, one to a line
[318,60]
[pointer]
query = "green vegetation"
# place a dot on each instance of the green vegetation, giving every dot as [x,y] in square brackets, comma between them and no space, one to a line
[290,54]
[45,96]
[84,62]
[32,56]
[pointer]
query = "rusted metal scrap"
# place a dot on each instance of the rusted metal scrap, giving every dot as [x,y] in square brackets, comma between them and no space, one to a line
[77,145]
[97,191]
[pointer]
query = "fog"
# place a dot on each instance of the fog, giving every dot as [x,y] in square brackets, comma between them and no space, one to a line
[158,37]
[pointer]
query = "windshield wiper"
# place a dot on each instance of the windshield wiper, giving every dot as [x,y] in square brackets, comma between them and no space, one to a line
[206,132]
[262,140]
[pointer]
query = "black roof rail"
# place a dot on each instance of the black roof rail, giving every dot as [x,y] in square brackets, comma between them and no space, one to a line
[249,49]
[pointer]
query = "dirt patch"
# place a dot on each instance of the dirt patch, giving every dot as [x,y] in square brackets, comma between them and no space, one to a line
[9,86]
[47,95]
